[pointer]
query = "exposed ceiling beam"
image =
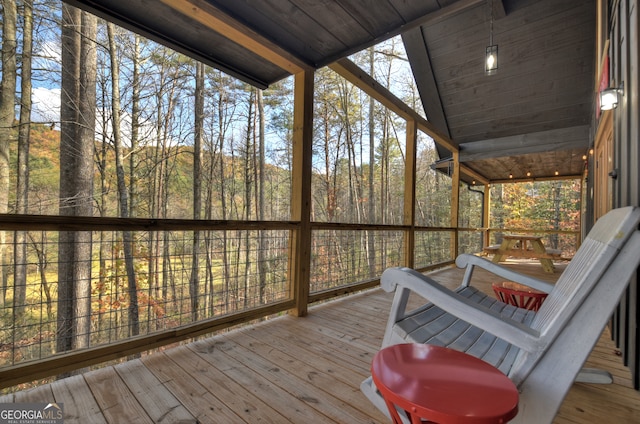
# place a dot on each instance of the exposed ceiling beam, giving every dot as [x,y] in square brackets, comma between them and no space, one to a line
[499,11]
[544,141]
[533,180]
[212,17]
[430,18]
[443,14]
[358,77]
[418,55]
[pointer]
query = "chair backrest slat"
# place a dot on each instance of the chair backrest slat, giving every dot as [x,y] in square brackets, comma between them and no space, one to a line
[575,283]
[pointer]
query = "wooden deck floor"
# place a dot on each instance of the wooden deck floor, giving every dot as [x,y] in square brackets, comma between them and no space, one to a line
[298,370]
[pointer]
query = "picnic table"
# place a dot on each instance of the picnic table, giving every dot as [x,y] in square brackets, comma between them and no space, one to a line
[524,246]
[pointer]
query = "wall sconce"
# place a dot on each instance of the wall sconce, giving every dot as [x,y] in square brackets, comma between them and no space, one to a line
[491,60]
[610,97]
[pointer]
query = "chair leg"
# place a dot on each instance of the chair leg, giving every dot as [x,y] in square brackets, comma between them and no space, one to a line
[594,376]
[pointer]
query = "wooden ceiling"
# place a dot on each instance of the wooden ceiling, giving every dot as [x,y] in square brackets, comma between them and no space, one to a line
[532,116]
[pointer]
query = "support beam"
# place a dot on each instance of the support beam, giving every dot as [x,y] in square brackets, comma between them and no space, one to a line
[486,216]
[300,240]
[214,18]
[540,142]
[455,201]
[410,194]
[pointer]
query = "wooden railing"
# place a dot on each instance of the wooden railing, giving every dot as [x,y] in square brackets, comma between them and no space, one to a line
[244,271]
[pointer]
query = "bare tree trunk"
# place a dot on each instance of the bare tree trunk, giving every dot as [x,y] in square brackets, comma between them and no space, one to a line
[372,158]
[135,126]
[248,164]
[7,117]
[22,194]
[127,237]
[223,204]
[104,245]
[155,202]
[84,178]
[197,189]
[76,175]
[260,206]
[68,136]
[208,214]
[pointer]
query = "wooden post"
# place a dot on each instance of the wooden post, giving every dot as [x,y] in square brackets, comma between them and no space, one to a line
[486,217]
[300,241]
[409,217]
[455,201]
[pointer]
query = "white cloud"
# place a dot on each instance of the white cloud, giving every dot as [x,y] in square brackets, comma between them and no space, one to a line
[46,105]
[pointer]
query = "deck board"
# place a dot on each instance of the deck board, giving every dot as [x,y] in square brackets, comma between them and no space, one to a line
[159,403]
[194,395]
[80,406]
[114,398]
[294,370]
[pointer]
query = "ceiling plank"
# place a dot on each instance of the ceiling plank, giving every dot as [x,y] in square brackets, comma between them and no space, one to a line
[209,15]
[354,74]
[543,141]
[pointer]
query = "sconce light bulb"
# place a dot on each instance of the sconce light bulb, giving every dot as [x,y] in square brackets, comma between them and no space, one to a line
[491,60]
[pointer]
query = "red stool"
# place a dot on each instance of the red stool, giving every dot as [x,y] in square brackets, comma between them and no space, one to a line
[519,295]
[442,385]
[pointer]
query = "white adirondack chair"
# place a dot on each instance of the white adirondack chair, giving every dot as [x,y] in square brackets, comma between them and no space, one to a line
[542,352]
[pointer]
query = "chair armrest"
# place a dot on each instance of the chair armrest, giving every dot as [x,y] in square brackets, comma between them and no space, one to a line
[463,308]
[470,261]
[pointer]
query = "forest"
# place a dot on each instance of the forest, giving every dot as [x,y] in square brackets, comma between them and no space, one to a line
[96,121]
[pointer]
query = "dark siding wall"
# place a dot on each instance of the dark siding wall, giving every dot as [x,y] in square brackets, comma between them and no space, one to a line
[624,55]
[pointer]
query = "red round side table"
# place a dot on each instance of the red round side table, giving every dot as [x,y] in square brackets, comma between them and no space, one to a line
[442,385]
[519,295]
